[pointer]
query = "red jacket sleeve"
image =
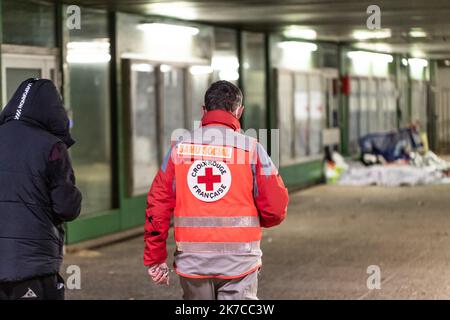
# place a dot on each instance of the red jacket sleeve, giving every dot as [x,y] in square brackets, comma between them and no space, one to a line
[160,206]
[271,196]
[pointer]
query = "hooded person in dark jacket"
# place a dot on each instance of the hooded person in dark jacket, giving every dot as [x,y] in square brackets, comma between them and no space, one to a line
[37,192]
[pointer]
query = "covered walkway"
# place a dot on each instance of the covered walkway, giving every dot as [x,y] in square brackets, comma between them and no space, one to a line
[332,234]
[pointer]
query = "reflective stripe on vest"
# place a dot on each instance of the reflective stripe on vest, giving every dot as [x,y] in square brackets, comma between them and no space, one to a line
[216,221]
[217,265]
[245,233]
[219,247]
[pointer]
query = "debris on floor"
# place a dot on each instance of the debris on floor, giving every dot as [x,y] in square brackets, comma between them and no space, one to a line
[335,165]
[429,160]
[391,175]
[386,147]
[397,158]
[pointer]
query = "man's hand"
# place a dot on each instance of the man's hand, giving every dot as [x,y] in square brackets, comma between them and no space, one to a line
[159,273]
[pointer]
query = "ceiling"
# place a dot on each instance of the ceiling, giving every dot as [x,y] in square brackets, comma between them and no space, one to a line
[333,20]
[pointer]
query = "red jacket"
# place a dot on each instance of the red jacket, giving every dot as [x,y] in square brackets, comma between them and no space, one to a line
[271,199]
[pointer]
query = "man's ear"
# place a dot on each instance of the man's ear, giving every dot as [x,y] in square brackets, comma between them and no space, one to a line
[204,111]
[239,112]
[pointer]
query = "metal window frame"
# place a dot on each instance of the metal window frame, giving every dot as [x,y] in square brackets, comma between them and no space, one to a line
[160,114]
[323,74]
[44,63]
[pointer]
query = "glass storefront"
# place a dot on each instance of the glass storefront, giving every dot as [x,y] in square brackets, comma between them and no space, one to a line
[164,67]
[28,48]
[285,91]
[143,126]
[302,114]
[29,23]
[87,97]
[199,83]
[225,61]
[373,107]
[173,102]
[168,93]
[254,80]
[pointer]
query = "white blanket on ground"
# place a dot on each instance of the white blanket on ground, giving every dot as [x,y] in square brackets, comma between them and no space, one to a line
[391,175]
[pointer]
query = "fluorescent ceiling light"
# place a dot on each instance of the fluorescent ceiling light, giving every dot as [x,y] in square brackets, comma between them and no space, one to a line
[372,56]
[142,67]
[86,45]
[199,70]
[178,9]
[302,33]
[88,57]
[296,45]
[375,34]
[417,62]
[167,29]
[88,52]
[165,68]
[417,33]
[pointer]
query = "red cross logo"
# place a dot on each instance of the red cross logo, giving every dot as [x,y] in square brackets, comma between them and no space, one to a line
[209,179]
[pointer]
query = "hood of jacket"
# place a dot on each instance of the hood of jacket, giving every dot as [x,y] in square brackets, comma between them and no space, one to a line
[38,102]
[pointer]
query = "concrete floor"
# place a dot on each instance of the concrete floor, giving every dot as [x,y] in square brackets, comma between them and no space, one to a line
[322,251]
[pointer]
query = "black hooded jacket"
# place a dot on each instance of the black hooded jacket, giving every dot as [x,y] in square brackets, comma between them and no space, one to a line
[37,184]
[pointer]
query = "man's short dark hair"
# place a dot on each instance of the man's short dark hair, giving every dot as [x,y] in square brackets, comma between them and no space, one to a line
[223,95]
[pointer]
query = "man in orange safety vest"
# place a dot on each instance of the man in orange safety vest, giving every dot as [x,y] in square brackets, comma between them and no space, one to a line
[221,187]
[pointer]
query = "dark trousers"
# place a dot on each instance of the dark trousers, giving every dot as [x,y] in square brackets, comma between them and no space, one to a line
[42,288]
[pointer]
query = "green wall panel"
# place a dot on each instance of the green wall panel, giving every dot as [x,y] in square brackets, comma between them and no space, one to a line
[133,212]
[302,174]
[89,227]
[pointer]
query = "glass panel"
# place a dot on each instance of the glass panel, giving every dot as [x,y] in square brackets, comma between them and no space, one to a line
[53,75]
[29,23]
[160,39]
[199,85]
[144,127]
[372,106]
[225,60]
[354,115]
[15,76]
[419,104]
[88,97]
[285,95]
[403,91]
[382,105]
[316,114]
[173,102]
[291,56]
[364,108]
[392,105]
[254,80]
[301,115]
[332,103]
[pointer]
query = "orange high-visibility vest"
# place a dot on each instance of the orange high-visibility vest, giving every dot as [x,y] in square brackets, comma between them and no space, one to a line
[215,210]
